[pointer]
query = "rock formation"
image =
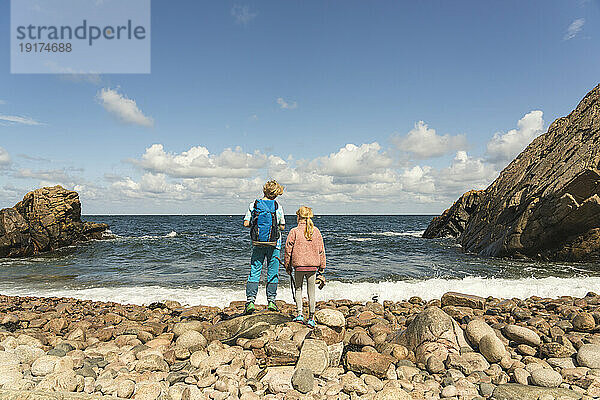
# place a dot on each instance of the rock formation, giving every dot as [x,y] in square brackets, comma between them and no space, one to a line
[546,203]
[453,221]
[46,219]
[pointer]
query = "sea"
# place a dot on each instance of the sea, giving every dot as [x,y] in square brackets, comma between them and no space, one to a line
[204,260]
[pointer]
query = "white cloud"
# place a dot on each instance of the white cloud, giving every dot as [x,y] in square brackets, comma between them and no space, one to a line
[56,175]
[4,157]
[463,174]
[150,185]
[15,119]
[423,142]
[123,108]
[351,161]
[354,174]
[242,14]
[198,162]
[286,105]
[2,102]
[573,29]
[504,147]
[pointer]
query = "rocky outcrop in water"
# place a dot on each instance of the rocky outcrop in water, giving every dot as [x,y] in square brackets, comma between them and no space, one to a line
[546,203]
[453,221]
[46,219]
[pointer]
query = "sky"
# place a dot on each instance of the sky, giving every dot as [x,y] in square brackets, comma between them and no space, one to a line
[390,107]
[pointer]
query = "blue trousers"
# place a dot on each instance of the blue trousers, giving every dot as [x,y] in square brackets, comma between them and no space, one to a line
[259,255]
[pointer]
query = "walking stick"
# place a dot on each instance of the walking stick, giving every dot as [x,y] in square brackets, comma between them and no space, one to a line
[292,282]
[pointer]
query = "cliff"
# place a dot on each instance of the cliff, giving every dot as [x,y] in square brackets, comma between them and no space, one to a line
[546,203]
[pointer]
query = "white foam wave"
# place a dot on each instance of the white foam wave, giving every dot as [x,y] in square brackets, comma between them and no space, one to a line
[360,239]
[109,235]
[406,233]
[395,291]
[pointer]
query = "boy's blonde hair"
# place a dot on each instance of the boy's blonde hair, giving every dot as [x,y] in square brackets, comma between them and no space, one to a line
[272,189]
[306,213]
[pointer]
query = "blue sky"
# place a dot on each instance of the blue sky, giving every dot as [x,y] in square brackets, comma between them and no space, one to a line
[356,107]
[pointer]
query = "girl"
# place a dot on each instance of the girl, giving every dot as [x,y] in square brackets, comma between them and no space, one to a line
[304,255]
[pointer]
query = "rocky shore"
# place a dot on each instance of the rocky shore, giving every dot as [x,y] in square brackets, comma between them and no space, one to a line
[458,347]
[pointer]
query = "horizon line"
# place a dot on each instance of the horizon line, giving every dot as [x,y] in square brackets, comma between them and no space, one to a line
[231,215]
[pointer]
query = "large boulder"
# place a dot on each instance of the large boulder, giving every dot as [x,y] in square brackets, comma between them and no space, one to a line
[46,219]
[245,326]
[314,355]
[453,221]
[546,203]
[432,332]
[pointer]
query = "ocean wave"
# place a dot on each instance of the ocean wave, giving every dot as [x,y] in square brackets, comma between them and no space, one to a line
[417,234]
[364,291]
[109,235]
[360,239]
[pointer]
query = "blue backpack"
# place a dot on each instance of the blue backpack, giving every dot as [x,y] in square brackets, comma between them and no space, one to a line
[263,224]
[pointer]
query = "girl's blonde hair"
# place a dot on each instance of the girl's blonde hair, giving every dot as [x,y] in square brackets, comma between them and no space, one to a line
[272,189]
[306,213]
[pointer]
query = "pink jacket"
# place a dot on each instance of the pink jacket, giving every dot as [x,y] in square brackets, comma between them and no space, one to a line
[302,254]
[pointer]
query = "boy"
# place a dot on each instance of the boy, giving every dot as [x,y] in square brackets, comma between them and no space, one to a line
[265,219]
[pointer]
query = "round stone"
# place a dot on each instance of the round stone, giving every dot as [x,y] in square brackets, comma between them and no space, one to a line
[449,391]
[584,322]
[28,354]
[476,329]
[546,377]
[521,376]
[589,356]
[192,340]
[331,318]
[486,389]
[392,393]
[492,348]
[197,357]
[303,380]
[435,365]
[182,327]
[373,382]
[147,391]
[126,389]
[520,334]
[44,365]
